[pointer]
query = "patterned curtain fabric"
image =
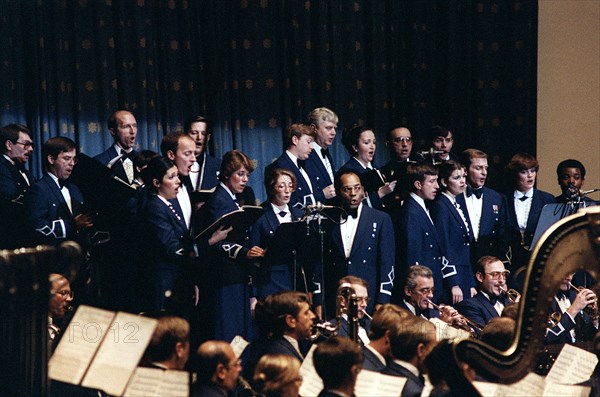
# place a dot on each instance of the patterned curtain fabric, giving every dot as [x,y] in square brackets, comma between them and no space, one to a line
[254,66]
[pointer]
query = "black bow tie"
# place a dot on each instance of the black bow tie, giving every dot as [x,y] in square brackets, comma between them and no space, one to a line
[301,163]
[325,153]
[282,214]
[494,299]
[523,198]
[125,155]
[477,192]
[562,294]
[187,182]
[352,212]
[62,183]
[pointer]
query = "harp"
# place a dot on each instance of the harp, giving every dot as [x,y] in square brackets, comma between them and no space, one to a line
[571,244]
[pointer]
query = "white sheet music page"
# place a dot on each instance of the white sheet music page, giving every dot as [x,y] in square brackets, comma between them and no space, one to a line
[79,343]
[120,352]
[573,365]
[312,384]
[239,344]
[156,382]
[371,383]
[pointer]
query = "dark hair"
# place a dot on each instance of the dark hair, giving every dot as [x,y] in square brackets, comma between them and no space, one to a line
[112,119]
[281,304]
[467,156]
[169,331]
[271,180]
[156,169]
[570,163]
[388,136]
[417,172]
[233,161]
[446,169]
[170,142]
[337,181]
[406,338]
[196,119]
[55,146]
[483,261]
[499,332]
[386,318]
[333,360]
[296,130]
[351,136]
[10,132]
[438,130]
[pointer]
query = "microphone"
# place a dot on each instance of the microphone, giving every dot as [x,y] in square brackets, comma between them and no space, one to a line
[318,207]
[586,192]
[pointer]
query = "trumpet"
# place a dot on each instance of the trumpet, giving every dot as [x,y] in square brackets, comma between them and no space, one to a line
[513,295]
[554,319]
[461,322]
[591,309]
[322,330]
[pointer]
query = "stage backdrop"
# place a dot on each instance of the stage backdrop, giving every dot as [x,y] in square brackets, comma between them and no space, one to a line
[254,66]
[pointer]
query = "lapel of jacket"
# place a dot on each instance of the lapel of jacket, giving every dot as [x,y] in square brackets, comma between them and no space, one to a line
[362,229]
[453,210]
[487,305]
[460,199]
[536,208]
[272,218]
[53,187]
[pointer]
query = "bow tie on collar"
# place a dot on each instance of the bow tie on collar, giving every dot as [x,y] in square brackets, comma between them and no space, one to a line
[301,163]
[351,212]
[325,153]
[523,198]
[125,155]
[62,183]
[186,181]
[477,192]
[494,299]
[562,295]
[282,214]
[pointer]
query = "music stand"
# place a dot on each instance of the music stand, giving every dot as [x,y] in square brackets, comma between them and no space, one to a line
[285,244]
[552,213]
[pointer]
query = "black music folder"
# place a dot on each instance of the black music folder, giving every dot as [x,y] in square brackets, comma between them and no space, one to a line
[288,238]
[201,196]
[240,219]
[372,180]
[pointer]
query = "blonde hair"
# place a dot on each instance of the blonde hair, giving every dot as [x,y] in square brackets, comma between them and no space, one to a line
[273,372]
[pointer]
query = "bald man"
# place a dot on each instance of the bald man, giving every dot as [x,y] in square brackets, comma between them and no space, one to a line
[218,369]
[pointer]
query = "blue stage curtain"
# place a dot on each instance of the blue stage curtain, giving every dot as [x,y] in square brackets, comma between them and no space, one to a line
[254,66]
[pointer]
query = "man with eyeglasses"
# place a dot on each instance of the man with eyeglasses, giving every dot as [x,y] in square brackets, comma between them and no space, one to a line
[490,299]
[217,369]
[61,297]
[360,287]
[399,142]
[360,243]
[54,204]
[15,180]
[204,174]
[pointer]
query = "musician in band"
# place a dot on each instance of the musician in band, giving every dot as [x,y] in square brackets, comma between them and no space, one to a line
[570,175]
[276,271]
[485,208]
[338,362]
[490,300]
[360,143]
[169,347]
[523,205]
[298,139]
[574,322]
[122,126]
[441,140]
[204,173]
[61,298]
[361,289]
[217,369]
[399,142]
[15,179]
[361,245]
[319,164]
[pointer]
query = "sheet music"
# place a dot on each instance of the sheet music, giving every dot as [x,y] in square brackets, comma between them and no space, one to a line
[553,390]
[120,352]
[573,365]
[531,385]
[312,384]
[371,383]
[239,344]
[155,382]
[79,343]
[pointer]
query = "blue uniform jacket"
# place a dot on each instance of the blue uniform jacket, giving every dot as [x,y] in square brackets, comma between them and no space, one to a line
[302,188]
[371,258]
[319,177]
[373,197]
[478,309]
[456,244]
[106,156]
[13,187]
[417,241]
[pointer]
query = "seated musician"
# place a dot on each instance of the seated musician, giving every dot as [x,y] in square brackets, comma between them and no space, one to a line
[61,297]
[577,323]
[490,299]
[411,341]
[360,287]
[378,351]
[169,347]
[217,369]
[338,362]
[418,295]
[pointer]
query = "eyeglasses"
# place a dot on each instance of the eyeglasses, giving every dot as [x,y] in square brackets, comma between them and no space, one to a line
[363,299]
[65,293]
[425,291]
[283,186]
[26,145]
[68,159]
[399,139]
[497,275]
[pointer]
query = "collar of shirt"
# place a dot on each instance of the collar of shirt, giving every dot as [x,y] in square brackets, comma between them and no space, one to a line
[517,194]
[408,366]
[55,179]
[9,159]
[410,307]
[366,167]
[451,197]
[294,343]
[277,210]
[419,200]
[376,353]
[358,212]
[317,147]
[118,148]
[292,157]
[228,191]
[164,200]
